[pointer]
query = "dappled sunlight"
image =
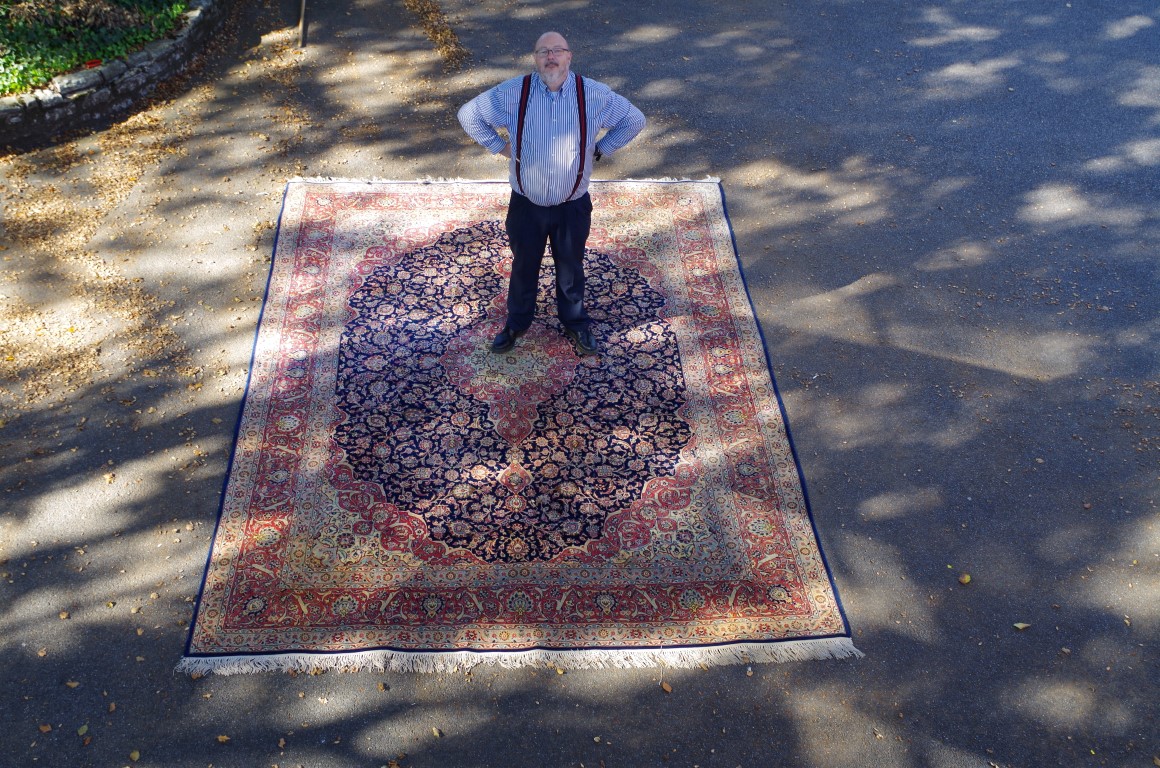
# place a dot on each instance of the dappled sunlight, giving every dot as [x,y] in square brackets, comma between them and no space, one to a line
[856,193]
[542,11]
[1041,356]
[662,89]
[1132,155]
[962,255]
[1068,205]
[650,34]
[375,739]
[1125,28]
[1135,592]
[848,314]
[1067,705]
[966,80]
[1145,92]
[901,504]
[83,509]
[830,709]
[838,313]
[887,598]
[951,31]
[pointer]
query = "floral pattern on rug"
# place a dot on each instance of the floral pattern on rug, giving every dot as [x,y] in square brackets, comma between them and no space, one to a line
[399,492]
[512,457]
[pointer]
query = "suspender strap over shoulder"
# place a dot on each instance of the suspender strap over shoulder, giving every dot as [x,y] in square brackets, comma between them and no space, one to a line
[525,93]
[583,134]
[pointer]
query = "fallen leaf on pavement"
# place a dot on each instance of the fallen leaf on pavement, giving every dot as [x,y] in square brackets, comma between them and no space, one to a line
[44,728]
[83,730]
[965,578]
[223,739]
[438,733]
[1021,626]
[134,755]
[666,687]
[71,684]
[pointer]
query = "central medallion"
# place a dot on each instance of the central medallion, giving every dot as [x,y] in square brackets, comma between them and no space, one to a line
[513,384]
[513,457]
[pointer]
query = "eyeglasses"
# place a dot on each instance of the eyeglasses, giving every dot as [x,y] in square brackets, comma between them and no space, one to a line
[554,51]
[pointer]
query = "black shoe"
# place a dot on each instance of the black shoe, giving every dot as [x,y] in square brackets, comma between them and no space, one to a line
[583,342]
[505,340]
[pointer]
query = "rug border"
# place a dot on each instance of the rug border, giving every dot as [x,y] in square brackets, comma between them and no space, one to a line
[835,646]
[784,418]
[237,431]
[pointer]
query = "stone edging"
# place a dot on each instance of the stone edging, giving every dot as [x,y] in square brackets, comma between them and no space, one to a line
[80,98]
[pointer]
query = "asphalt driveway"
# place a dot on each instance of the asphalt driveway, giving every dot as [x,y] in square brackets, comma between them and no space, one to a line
[949,219]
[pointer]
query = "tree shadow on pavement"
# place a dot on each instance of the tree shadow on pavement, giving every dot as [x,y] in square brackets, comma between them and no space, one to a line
[946,216]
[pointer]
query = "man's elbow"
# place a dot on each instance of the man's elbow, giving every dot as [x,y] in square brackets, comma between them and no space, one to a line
[466,116]
[638,121]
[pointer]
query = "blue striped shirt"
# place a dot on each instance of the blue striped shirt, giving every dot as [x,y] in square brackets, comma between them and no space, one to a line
[551,146]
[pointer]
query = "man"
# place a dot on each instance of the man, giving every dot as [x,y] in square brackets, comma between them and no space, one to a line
[551,141]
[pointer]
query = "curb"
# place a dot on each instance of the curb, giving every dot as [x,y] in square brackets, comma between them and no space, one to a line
[85,97]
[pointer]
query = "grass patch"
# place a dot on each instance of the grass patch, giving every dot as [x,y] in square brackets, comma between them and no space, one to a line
[40,39]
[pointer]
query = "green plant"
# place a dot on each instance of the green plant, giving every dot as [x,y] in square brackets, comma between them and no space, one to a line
[40,39]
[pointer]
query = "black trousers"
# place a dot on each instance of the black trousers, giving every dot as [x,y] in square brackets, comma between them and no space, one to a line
[530,228]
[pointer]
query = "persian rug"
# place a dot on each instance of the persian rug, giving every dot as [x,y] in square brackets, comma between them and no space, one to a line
[401,497]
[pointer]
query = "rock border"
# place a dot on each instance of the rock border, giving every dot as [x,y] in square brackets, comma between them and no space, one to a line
[88,96]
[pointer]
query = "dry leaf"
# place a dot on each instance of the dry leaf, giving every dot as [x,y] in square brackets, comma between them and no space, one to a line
[112,706]
[666,687]
[1021,626]
[223,739]
[42,652]
[83,730]
[44,728]
[965,578]
[63,615]
[437,733]
[1155,760]
[72,683]
[134,755]
[281,743]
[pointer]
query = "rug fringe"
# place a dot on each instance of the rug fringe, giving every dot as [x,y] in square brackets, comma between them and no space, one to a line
[452,661]
[441,180]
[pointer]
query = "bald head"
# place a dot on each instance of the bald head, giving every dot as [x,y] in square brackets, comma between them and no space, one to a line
[553,59]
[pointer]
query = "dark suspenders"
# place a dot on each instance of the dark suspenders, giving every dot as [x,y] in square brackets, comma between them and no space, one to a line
[525,93]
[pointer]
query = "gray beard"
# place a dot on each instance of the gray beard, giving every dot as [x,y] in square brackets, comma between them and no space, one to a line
[552,80]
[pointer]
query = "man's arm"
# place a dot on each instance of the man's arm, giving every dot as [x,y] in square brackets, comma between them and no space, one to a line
[480,118]
[623,121]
